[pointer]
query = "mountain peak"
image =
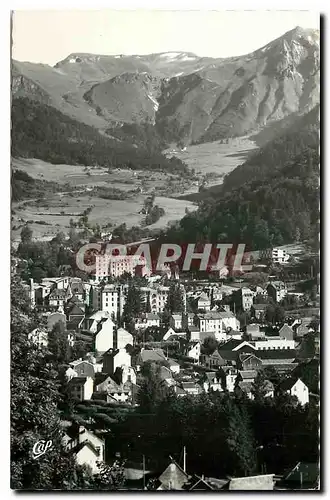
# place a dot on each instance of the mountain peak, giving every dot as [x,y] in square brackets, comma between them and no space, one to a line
[298,34]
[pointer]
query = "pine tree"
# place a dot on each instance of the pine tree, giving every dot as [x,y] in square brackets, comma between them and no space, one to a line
[240,441]
[133,305]
[259,389]
[174,301]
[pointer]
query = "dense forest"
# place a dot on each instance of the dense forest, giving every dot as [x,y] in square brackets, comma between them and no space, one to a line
[40,131]
[272,199]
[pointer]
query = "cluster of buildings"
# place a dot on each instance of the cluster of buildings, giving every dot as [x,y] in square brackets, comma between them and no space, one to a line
[110,369]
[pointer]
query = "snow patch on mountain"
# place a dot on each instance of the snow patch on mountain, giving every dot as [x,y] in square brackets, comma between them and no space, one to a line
[170,55]
[155,103]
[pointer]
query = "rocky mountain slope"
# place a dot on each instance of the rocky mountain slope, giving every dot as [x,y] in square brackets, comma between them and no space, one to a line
[187,98]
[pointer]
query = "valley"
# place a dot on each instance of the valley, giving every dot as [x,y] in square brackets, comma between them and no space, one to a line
[213,160]
[47,216]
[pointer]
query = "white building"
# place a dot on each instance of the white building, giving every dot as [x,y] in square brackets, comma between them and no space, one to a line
[116,265]
[103,339]
[194,351]
[81,388]
[115,358]
[280,256]
[121,338]
[176,321]
[110,300]
[274,343]
[277,290]
[203,302]
[296,387]
[218,322]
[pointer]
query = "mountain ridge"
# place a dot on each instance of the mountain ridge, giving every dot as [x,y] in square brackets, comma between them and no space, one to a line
[189,99]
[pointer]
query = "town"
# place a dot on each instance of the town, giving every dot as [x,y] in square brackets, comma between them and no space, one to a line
[130,339]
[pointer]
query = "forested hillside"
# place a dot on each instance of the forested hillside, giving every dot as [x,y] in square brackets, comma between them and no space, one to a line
[41,131]
[275,153]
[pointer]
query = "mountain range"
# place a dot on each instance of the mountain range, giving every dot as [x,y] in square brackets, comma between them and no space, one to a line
[185,98]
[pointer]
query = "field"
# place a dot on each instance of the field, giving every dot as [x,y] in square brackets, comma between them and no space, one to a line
[53,215]
[214,159]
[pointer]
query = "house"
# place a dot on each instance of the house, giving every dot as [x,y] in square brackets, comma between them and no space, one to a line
[203,302]
[120,392]
[274,343]
[91,322]
[262,482]
[213,360]
[282,360]
[247,375]
[78,434]
[250,361]
[87,454]
[193,333]
[280,256]
[212,322]
[304,476]
[193,351]
[230,376]
[88,448]
[121,338]
[74,311]
[212,382]
[246,387]
[295,387]
[229,320]
[96,361]
[173,478]
[201,484]
[115,358]
[77,289]
[125,374]
[246,298]
[57,298]
[150,355]
[191,388]
[269,389]
[302,328]
[176,321]
[245,381]
[286,332]
[253,331]
[38,337]
[81,388]
[188,320]
[166,374]
[110,299]
[152,319]
[70,373]
[259,311]
[170,334]
[104,336]
[277,290]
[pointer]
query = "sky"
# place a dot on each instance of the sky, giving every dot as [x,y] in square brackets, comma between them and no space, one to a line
[48,36]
